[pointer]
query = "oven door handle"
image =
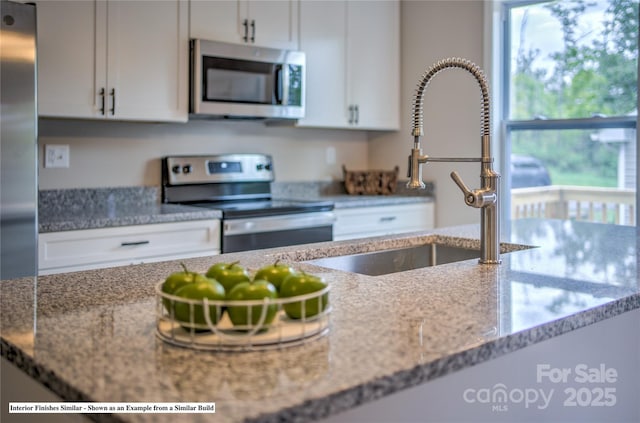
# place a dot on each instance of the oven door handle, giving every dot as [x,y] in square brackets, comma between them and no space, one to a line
[277,223]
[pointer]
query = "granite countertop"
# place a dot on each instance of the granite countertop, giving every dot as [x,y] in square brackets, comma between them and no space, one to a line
[76,209]
[66,210]
[335,192]
[90,336]
[348,201]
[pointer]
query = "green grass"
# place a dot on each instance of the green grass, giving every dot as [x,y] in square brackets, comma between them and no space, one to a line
[581,179]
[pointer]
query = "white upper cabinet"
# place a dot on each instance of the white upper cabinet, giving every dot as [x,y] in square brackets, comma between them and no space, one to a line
[113,60]
[148,59]
[323,34]
[373,63]
[265,23]
[68,63]
[353,63]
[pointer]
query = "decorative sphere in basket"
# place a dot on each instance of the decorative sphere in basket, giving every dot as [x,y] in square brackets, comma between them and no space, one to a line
[370,182]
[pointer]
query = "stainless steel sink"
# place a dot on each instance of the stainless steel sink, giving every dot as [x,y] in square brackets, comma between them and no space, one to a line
[397,260]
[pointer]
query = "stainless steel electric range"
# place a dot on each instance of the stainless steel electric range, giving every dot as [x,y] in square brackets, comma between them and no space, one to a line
[239,185]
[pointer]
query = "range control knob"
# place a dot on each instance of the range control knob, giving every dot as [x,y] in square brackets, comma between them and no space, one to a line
[259,166]
[176,169]
[267,166]
[187,168]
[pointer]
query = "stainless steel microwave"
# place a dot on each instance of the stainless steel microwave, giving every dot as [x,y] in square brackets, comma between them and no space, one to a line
[242,81]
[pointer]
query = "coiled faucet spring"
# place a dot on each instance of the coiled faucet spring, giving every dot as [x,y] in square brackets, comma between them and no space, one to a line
[453,62]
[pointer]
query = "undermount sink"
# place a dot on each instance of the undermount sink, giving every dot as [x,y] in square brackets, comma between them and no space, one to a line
[397,260]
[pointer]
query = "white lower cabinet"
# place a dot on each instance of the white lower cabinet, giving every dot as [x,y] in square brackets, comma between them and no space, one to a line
[361,222]
[70,251]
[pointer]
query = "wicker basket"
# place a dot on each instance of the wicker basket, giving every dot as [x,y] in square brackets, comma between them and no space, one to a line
[370,182]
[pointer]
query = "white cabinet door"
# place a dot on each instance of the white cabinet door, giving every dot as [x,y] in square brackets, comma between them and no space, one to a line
[148,57]
[274,23]
[361,222]
[69,251]
[323,32]
[265,23]
[113,59]
[220,20]
[353,63]
[71,69]
[373,63]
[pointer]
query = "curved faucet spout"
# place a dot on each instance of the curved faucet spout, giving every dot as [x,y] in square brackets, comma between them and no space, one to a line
[486,197]
[453,62]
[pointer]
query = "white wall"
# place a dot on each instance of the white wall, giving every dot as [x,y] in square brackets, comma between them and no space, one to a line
[113,154]
[433,30]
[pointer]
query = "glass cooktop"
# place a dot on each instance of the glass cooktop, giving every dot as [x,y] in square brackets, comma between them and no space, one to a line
[236,209]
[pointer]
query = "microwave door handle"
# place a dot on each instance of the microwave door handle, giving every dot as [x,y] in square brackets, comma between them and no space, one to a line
[279,86]
[285,84]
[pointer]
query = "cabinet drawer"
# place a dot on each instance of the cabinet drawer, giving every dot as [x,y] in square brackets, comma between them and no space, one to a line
[362,222]
[106,247]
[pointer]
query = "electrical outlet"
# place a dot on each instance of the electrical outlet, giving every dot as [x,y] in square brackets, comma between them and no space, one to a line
[56,155]
[330,155]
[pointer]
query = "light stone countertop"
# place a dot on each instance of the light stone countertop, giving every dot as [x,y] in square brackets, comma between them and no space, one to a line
[77,209]
[90,336]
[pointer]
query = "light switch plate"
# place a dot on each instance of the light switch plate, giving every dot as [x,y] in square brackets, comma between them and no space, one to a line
[56,155]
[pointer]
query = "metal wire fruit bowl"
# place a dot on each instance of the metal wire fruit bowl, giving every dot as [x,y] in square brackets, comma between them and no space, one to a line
[214,329]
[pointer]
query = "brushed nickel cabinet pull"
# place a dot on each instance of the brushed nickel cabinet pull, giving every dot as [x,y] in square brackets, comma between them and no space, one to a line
[102,93]
[113,101]
[245,23]
[129,244]
[253,30]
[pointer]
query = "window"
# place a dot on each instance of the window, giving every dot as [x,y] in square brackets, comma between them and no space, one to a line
[570,95]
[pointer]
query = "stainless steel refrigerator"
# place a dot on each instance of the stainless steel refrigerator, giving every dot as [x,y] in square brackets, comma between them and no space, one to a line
[18,141]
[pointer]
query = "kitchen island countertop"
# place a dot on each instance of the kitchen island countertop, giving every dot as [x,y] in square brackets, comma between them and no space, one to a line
[90,336]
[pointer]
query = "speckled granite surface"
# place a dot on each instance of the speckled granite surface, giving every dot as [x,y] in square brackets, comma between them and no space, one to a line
[90,335]
[334,191]
[337,189]
[74,209]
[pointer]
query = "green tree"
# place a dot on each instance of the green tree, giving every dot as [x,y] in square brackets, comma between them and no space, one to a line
[617,57]
[588,78]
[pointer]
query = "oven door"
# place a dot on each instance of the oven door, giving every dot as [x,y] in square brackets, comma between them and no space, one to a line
[276,231]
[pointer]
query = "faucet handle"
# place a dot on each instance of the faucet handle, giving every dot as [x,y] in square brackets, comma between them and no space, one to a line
[469,197]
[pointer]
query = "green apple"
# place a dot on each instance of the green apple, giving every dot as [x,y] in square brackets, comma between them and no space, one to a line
[228,274]
[175,281]
[201,288]
[256,290]
[300,284]
[275,273]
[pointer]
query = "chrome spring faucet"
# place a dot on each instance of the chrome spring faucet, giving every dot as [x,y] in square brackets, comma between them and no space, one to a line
[484,198]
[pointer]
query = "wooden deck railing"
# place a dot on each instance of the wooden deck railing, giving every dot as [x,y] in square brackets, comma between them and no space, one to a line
[606,205]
